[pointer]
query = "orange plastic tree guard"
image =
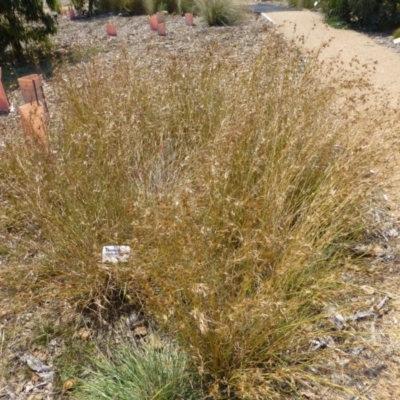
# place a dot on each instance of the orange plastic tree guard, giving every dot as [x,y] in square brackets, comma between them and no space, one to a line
[160,17]
[4,103]
[34,118]
[111,30]
[161,29]
[189,19]
[32,88]
[153,22]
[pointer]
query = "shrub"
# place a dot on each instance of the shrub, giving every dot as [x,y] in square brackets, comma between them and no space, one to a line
[309,4]
[25,22]
[372,14]
[172,6]
[220,12]
[78,4]
[126,6]
[396,33]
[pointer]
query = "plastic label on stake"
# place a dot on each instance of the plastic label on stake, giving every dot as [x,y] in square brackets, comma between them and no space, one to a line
[115,254]
[34,117]
[4,103]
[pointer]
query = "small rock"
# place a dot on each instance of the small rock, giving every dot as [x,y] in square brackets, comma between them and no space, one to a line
[34,364]
[393,233]
[363,315]
[29,387]
[355,351]
[36,397]
[339,321]
[368,289]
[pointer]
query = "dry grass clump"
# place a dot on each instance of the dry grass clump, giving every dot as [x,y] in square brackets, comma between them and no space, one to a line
[239,188]
[221,12]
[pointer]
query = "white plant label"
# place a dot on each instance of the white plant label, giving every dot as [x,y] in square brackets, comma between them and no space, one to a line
[116,254]
[396,41]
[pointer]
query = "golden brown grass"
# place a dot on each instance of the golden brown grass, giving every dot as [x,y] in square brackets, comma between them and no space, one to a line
[240,189]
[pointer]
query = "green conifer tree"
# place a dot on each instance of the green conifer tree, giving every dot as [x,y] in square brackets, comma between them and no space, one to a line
[24,21]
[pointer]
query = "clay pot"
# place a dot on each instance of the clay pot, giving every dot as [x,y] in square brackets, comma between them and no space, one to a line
[189,19]
[111,30]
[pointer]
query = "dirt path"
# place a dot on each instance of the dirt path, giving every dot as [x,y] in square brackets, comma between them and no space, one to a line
[381,66]
[344,46]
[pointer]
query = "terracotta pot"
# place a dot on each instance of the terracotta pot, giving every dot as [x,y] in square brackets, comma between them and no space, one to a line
[153,22]
[160,17]
[111,30]
[161,29]
[189,19]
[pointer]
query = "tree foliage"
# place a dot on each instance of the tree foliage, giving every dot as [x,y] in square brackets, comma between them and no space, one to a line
[24,21]
[374,14]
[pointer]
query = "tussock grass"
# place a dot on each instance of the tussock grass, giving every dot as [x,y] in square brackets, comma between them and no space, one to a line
[127,6]
[309,4]
[221,12]
[172,6]
[136,373]
[240,189]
